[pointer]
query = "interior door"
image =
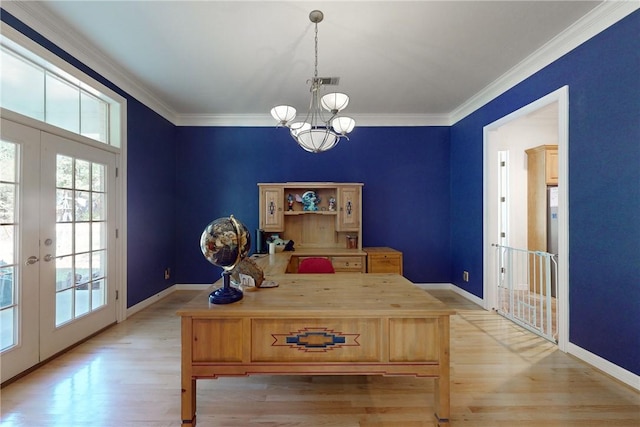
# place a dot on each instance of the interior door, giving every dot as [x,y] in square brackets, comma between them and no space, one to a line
[58,240]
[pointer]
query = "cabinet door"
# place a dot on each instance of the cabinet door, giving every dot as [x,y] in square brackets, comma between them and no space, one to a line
[349,212]
[551,166]
[271,211]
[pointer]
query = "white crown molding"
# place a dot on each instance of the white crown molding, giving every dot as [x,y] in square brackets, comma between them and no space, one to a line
[402,119]
[40,20]
[241,120]
[591,24]
[596,21]
[238,120]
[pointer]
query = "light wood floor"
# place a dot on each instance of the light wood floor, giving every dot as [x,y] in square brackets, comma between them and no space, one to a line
[501,376]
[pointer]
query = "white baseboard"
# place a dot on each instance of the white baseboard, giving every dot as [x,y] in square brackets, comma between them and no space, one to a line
[157,297]
[605,366]
[454,288]
[191,286]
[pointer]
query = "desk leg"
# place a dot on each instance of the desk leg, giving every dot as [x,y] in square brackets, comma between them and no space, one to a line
[442,385]
[188,404]
[187,382]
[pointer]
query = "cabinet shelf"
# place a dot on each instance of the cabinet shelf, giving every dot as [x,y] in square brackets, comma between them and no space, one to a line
[310,212]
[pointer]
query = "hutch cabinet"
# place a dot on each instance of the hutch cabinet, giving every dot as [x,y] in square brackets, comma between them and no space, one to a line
[333,230]
[337,218]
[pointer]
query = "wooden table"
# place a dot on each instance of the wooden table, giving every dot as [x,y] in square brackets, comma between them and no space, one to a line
[319,324]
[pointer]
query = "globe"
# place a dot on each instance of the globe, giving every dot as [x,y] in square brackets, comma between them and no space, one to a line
[224,243]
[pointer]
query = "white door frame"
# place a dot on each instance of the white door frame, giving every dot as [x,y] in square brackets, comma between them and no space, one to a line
[561,96]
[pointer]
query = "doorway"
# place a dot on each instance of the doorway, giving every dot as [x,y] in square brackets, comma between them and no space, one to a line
[57,263]
[542,122]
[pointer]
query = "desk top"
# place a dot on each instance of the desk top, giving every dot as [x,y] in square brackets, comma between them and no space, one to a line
[340,294]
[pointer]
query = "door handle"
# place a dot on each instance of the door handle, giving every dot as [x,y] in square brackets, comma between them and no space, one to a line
[48,257]
[31,260]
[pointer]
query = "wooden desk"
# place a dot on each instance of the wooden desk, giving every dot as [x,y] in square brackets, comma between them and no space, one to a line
[318,324]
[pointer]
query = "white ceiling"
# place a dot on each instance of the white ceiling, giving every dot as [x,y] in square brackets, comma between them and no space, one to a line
[240,58]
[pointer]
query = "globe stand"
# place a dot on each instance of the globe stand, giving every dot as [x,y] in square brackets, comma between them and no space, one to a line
[227,293]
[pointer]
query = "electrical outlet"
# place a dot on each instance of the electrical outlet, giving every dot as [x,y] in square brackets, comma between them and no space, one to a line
[465,276]
[167,273]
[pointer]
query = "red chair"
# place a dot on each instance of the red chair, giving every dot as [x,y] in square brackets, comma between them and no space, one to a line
[315,265]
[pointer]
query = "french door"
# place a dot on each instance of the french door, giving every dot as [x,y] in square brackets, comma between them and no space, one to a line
[57,269]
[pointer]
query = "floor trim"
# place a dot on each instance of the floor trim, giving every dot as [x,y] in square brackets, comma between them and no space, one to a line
[611,369]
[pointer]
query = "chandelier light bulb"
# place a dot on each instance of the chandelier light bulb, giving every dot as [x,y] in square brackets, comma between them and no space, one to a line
[283,113]
[317,140]
[335,102]
[343,125]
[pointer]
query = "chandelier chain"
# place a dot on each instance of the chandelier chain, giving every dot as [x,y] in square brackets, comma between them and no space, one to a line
[315,75]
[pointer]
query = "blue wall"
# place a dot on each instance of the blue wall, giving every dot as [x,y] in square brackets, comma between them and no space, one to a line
[405,172]
[603,76]
[151,193]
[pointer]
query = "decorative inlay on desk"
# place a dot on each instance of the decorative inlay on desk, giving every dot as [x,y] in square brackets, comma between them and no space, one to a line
[316,340]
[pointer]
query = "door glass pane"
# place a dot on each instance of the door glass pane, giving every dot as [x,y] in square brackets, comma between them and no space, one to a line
[82,171]
[81,238]
[64,173]
[83,284]
[7,202]
[64,306]
[64,212]
[8,308]
[82,203]
[64,273]
[98,268]
[98,177]
[97,205]
[64,244]
[8,243]
[98,238]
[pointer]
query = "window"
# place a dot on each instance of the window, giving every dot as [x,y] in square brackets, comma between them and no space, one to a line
[34,87]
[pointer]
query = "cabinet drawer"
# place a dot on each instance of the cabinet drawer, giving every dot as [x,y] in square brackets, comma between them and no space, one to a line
[385,264]
[347,264]
[383,260]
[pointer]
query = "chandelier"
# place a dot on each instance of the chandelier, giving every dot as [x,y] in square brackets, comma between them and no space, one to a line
[322,128]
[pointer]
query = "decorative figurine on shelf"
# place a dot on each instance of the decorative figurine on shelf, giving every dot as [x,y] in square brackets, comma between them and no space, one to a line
[290,202]
[310,200]
[332,203]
